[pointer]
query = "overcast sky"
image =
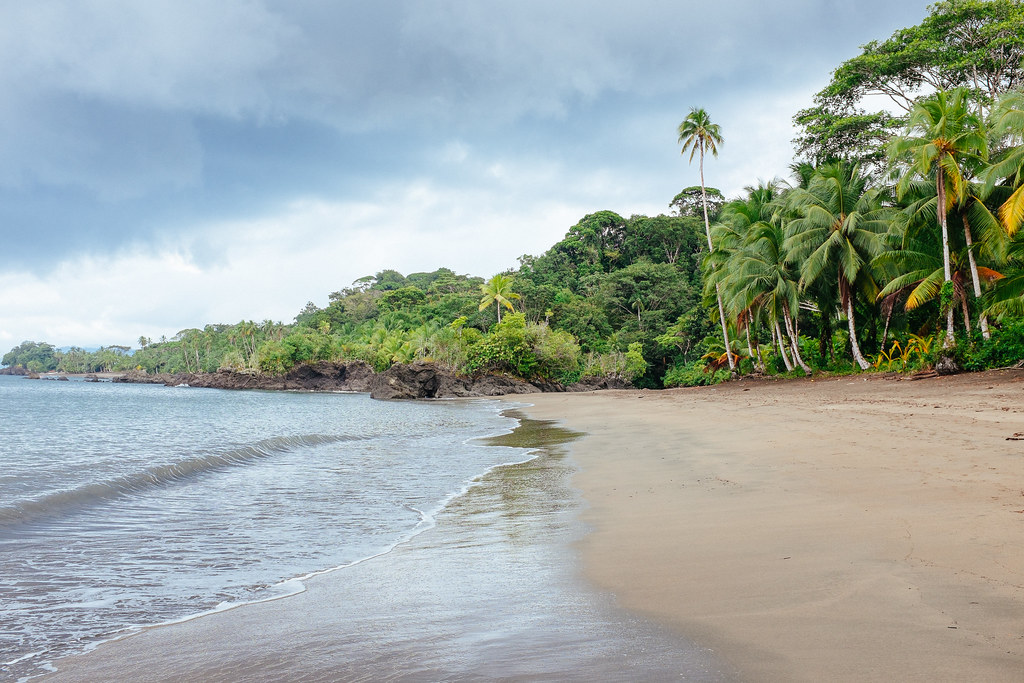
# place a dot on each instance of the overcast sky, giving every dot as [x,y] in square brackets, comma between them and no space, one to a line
[172,163]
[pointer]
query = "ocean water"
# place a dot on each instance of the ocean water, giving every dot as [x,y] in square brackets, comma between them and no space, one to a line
[124,506]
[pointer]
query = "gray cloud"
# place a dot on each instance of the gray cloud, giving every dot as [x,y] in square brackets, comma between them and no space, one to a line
[123,122]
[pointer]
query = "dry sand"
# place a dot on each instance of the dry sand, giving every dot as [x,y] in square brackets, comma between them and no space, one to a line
[839,529]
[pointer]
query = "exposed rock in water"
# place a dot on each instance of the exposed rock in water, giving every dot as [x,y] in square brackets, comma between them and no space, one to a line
[402,381]
[323,376]
[15,370]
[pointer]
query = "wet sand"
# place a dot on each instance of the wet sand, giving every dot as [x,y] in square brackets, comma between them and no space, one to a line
[844,529]
[492,592]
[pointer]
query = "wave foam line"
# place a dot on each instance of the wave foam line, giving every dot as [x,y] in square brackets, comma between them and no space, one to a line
[156,477]
[297,584]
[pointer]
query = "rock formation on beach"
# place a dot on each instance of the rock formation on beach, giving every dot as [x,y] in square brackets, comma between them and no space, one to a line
[401,381]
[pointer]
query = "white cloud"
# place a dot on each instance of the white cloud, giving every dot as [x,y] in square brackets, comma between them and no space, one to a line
[269,267]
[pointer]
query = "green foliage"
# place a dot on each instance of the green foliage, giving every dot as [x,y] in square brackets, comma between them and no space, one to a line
[498,291]
[33,356]
[275,358]
[557,353]
[506,349]
[910,355]
[401,299]
[635,363]
[1005,348]
[946,294]
[693,375]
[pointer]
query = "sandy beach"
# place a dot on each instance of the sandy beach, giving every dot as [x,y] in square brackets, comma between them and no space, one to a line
[840,529]
[863,528]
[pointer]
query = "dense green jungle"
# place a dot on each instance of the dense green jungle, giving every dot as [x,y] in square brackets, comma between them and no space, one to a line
[893,244]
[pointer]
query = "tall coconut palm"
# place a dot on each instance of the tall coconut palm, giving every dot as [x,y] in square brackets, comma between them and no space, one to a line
[837,233]
[498,290]
[942,133]
[698,134]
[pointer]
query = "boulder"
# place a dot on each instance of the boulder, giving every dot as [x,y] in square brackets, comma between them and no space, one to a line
[413,380]
[599,383]
[421,379]
[946,366]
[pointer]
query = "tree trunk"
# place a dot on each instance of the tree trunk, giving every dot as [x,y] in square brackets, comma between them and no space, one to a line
[825,337]
[967,313]
[782,347]
[946,269]
[885,331]
[750,349]
[711,250]
[794,341]
[983,321]
[854,346]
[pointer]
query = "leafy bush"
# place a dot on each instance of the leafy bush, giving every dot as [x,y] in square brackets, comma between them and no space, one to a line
[1006,347]
[506,349]
[909,355]
[275,358]
[693,375]
[635,363]
[556,351]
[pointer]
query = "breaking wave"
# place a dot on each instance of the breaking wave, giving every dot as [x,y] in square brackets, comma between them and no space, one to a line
[55,504]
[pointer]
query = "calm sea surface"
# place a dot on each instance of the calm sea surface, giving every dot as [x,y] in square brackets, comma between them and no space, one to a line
[123,506]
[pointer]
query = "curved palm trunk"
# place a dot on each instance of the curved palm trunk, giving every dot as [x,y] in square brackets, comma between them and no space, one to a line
[782,347]
[750,349]
[794,341]
[946,269]
[983,321]
[725,330]
[885,331]
[711,249]
[857,355]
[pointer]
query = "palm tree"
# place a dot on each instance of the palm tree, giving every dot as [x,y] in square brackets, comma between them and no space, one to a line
[698,134]
[766,279]
[918,265]
[942,133]
[756,277]
[498,290]
[837,233]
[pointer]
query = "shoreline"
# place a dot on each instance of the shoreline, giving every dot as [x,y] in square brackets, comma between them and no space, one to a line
[490,590]
[848,528]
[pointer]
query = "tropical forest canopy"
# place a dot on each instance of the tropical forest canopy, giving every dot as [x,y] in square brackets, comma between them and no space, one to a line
[894,242]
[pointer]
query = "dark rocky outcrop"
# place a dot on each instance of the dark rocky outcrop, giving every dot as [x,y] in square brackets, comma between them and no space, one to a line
[402,381]
[14,370]
[426,380]
[947,366]
[323,376]
[599,383]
